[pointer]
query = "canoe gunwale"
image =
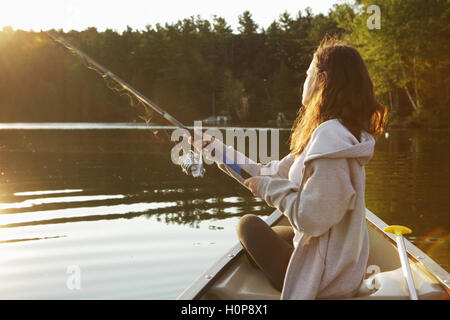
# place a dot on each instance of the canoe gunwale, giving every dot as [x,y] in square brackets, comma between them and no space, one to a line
[208,278]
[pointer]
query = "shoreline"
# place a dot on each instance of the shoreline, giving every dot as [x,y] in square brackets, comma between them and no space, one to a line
[143,125]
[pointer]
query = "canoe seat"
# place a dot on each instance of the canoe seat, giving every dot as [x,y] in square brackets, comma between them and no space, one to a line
[244,282]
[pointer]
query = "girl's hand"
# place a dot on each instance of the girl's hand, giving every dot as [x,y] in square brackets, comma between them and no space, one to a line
[252,184]
[204,139]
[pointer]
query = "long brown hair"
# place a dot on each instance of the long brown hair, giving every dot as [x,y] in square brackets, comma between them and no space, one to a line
[341,89]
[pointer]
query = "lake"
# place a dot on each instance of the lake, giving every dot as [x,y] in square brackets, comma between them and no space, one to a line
[105,202]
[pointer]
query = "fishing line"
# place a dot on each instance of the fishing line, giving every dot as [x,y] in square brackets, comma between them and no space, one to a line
[191,163]
[111,81]
[115,86]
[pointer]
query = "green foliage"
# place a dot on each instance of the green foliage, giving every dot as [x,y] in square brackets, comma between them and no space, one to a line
[247,25]
[407,57]
[233,96]
[189,66]
[182,67]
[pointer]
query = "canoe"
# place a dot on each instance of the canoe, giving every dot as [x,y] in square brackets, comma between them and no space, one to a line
[232,277]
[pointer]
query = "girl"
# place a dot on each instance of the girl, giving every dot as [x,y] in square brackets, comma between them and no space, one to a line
[320,185]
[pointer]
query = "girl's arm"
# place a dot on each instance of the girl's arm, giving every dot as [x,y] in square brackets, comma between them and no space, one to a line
[274,169]
[327,194]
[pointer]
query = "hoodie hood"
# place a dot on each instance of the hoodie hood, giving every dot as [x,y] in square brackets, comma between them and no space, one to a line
[332,139]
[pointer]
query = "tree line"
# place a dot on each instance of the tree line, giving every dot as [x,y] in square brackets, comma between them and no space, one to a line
[195,67]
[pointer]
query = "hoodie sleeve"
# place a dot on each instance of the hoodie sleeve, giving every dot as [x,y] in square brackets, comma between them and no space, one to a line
[275,168]
[326,196]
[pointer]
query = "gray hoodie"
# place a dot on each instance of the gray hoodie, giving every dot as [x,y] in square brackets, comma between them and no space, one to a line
[326,210]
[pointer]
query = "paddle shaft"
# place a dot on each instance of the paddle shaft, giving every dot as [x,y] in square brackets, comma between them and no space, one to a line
[406,268]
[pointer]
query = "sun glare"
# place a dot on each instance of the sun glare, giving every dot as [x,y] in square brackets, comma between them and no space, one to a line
[80,14]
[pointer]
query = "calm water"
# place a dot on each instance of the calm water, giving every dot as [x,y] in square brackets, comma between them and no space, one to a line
[110,204]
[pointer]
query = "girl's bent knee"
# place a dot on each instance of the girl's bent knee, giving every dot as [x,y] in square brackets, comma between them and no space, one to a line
[247,224]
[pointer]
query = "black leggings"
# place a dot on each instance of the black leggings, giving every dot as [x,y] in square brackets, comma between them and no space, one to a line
[268,248]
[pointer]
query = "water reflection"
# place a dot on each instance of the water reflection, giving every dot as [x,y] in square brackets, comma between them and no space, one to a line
[45,192]
[408,182]
[112,199]
[30,239]
[233,199]
[80,214]
[39,201]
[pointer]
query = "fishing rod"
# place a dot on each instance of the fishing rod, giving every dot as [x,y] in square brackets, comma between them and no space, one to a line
[191,163]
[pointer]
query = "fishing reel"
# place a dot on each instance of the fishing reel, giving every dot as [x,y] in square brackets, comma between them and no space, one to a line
[192,164]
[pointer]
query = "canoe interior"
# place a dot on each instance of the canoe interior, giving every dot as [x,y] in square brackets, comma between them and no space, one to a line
[234,278]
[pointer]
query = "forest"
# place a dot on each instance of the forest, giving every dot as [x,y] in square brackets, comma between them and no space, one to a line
[196,67]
